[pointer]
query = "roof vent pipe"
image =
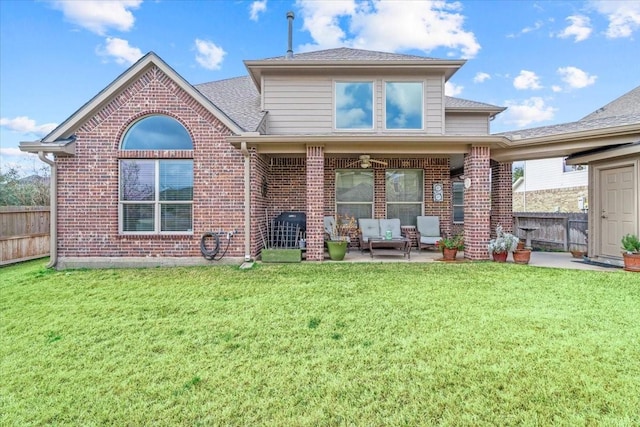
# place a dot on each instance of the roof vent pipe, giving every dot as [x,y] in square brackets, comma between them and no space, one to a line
[290,17]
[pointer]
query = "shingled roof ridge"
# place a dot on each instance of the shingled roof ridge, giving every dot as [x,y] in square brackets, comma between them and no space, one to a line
[350,54]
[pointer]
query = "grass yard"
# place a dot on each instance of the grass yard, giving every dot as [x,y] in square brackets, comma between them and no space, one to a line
[320,345]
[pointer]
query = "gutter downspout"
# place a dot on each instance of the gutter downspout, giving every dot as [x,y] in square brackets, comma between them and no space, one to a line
[53,208]
[247,201]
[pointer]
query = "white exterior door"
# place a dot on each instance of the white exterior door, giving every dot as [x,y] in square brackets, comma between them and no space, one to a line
[618,215]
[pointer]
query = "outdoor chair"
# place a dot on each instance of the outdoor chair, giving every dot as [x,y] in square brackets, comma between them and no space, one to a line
[428,232]
[329,226]
[376,229]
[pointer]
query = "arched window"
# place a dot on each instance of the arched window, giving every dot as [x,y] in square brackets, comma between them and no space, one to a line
[156,195]
[157,132]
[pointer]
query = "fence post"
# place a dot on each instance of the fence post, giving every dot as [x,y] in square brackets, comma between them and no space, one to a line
[566,233]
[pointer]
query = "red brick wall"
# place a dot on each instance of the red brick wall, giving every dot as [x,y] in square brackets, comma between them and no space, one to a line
[260,192]
[88,183]
[477,203]
[315,203]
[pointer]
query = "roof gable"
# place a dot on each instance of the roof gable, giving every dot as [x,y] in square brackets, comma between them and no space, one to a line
[66,128]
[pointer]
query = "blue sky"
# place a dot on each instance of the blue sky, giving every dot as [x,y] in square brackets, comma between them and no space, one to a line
[548,61]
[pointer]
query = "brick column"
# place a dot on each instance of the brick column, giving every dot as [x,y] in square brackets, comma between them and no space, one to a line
[315,203]
[477,204]
[501,197]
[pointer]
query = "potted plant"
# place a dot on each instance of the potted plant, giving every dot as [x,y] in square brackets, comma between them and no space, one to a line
[504,243]
[340,236]
[522,255]
[449,246]
[631,253]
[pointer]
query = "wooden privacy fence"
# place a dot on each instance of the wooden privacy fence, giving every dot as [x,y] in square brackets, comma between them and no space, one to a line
[24,233]
[553,231]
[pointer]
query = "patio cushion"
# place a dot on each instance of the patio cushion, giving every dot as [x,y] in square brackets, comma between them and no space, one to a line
[428,226]
[392,224]
[429,240]
[369,228]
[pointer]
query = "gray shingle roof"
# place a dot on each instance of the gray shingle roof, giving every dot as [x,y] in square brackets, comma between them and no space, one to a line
[238,98]
[348,54]
[451,102]
[629,103]
[624,110]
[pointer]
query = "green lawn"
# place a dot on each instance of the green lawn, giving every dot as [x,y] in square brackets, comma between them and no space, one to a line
[320,344]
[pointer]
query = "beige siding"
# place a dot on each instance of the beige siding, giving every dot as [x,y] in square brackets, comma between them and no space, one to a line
[435,105]
[298,105]
[466,124]
[305,105]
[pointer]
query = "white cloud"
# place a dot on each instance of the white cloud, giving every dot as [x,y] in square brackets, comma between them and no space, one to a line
[452,89]
[580,28]
[387,25]
[257,7]
[120,51]
[481,77]
[209,55]
[535,27]
[623,16]
[525,30]
[23,124]
[532,110]
[556,88]
[576,78]
[527,80]
[98,16]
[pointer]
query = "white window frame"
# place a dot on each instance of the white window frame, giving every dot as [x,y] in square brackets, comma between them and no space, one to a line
[373,195]
[157,203]
[421,201]
[455,184]
[423,106]
[373,105]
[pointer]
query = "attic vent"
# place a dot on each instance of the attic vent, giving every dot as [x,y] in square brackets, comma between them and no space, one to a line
[290,17]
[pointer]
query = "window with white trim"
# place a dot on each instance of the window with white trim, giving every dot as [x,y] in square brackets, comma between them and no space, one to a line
[458,201]
[404,105]
[354,193]
[156,195]
[404,194]
[354,105]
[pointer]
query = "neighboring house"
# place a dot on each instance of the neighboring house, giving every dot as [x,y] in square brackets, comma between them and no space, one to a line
[151,163]
[608,141]
[550,185]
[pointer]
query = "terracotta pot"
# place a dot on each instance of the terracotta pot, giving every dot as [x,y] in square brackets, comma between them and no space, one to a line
[631,262]
[449,254]
[500,256]
[578,254]
[522,256]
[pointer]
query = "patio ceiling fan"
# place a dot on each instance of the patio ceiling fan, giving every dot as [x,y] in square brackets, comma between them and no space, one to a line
[365,162]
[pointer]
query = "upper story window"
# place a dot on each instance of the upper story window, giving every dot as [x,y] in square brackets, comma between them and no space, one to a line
[157,132]
[404,105]
[354,105]
[156,195]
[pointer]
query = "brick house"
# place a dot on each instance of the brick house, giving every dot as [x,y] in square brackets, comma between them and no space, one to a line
[151,163]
